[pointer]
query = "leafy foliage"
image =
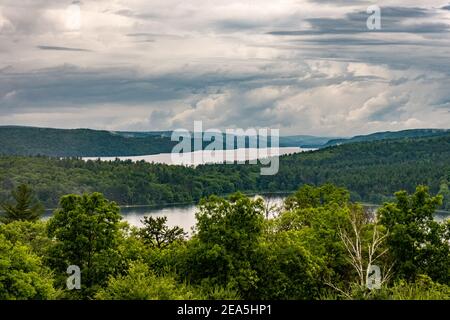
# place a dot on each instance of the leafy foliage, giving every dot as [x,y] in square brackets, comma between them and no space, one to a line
[140,283]
[22,273]
[224,248]
[418,243]
[318,247]
[422,289]
[86,230]
[29,233]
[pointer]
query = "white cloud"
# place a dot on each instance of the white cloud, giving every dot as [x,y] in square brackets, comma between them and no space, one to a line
[155,65]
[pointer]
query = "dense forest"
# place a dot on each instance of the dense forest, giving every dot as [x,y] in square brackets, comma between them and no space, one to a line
[318,245]
[32,141]
[372,171]
[387,135]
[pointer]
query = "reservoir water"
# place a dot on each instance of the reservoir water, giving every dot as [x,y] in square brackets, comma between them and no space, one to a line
[177,215]
[184,215]
[205,156]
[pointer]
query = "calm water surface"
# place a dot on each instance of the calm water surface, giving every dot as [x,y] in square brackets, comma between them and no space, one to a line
[205,157]
[184,215]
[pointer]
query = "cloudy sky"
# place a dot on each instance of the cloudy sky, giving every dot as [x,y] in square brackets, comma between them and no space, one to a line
[304,66]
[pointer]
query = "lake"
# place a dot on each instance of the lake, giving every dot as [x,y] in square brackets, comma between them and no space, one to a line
[183,215]
[207,156]
[179,215]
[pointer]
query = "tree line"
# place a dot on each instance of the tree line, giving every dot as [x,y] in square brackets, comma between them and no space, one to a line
[371,171]
[317,245]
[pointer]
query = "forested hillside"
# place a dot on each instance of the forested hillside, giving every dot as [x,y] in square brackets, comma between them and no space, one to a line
[31,141]
[371,171]
[78,143]
[412,133]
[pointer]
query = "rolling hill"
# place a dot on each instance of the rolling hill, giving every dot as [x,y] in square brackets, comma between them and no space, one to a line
[372,171]
[78,143]
[387,135]
[32,141]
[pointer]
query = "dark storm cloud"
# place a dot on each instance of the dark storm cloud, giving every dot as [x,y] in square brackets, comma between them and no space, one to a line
[355,22]
[137,15]
[141,34]
[238,25]
[62,49]
[353,42]
[341,2]
[69,85]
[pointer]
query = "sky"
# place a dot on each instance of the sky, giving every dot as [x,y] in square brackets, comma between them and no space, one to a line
[301,66]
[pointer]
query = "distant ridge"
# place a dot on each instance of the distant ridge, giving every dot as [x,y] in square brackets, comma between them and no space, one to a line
[16,140]
[388,135]
[31,141]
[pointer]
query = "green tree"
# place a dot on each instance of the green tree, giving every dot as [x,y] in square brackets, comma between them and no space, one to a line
[22,273]
[224,248]
[156,233]
[315,216]
[445,193]
[25,207]
[286,269]
[313,197]
[86,231]
[418,243]
[31,234]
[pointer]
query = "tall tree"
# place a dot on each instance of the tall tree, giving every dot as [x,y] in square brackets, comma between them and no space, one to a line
[418,243]
[86,230]
[26,207]
[224,249]
[364,241]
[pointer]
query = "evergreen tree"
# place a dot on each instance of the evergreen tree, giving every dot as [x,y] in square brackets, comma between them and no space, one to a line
[26,207]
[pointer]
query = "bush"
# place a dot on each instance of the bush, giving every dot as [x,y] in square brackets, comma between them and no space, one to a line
[141,283]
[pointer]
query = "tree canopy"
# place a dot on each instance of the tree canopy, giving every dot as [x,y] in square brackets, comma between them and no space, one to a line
[320,245]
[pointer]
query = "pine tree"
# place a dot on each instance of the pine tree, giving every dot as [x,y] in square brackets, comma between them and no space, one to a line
[25,208]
